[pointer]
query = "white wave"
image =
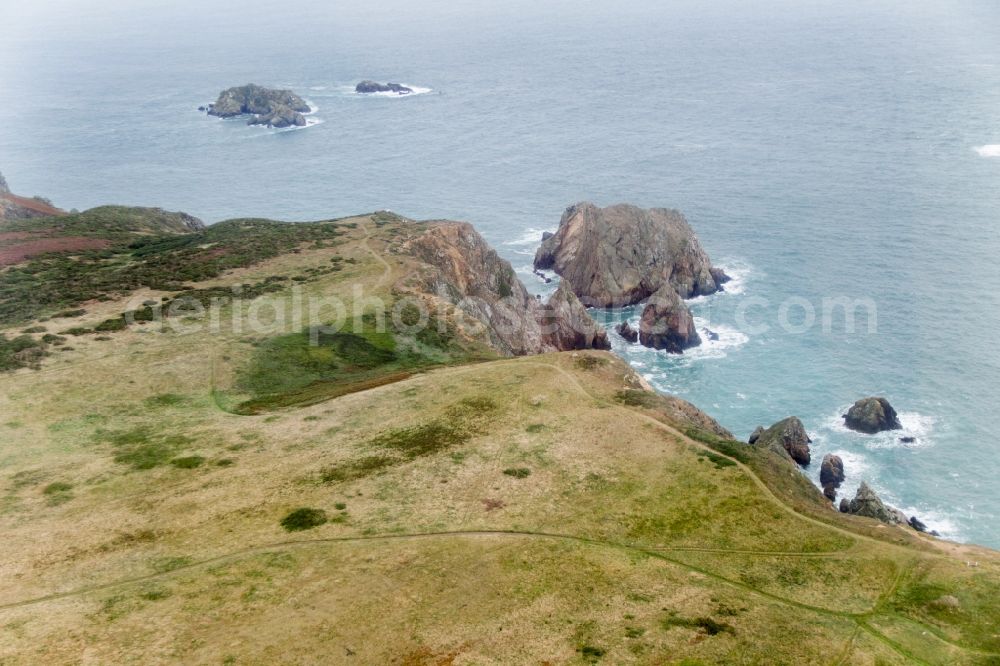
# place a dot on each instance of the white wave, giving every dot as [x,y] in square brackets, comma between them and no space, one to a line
[531,236]
[989,150]
[942,522]
[727,338]
[738,273]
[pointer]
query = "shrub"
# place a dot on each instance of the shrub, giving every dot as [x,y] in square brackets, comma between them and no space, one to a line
[303,519]
[188,462]
[109,325]
[518,472]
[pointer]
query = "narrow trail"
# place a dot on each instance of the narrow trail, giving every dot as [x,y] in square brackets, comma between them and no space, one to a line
[656,553]
[387,269]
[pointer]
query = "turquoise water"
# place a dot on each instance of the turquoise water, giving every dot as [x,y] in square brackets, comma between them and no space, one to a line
[820,150]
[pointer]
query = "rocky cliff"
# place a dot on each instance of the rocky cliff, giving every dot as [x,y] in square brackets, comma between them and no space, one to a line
[275,108]
[623,254]
[464,271]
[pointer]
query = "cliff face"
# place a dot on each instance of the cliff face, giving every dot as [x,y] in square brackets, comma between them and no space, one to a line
[13,207]
[623,254]
[465,271]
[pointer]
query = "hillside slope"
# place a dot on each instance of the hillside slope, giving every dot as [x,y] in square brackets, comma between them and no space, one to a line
[235,495]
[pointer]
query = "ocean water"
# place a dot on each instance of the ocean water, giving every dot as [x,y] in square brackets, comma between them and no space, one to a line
[821,150]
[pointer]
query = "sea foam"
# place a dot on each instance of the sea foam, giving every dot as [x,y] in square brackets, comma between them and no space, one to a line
[989,150]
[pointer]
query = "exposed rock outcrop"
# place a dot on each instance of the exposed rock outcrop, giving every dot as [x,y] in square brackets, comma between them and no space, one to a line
[755,435]
[464,271]
[566,324]
[872,415]
[867,503]
[831,475]
[667,323]
[626,331]
[787,436]
[623,254]
[3,185]
[275,108]
[369,87]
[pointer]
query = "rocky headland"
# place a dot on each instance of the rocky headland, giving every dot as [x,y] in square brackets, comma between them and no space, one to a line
[369,87]
[268,106]
[622,255]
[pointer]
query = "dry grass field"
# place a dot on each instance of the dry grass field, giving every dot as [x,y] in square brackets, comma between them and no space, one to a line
[454,509]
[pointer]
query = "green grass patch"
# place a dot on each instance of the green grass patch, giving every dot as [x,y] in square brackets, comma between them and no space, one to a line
[20,352]
[636,398]
[143,448]
[588,362]
[164,400]
[720,462]
[308,367]
[57,487]
[357,469]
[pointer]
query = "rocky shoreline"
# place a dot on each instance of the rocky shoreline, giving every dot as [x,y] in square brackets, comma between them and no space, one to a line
[868,415]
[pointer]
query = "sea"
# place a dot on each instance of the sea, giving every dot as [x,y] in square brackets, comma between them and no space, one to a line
[833,156]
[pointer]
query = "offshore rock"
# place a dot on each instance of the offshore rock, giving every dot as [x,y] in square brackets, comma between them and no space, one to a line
[621,255]
[872,415]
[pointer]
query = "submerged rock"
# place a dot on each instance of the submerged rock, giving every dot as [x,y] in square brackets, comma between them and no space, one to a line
[867,503]
[872,415]
[667,323]
[621,255]
[626,331]
[276,108]
[831,475]
[787,436]
[368,87]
